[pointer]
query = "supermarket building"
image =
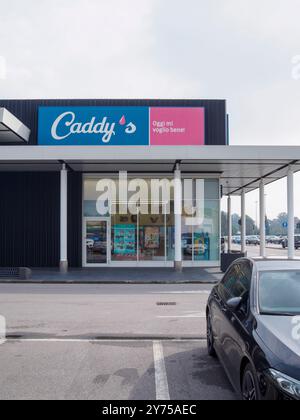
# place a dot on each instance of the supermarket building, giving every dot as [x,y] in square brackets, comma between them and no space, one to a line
[77,182]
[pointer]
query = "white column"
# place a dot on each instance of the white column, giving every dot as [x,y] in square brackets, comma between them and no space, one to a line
[243,221]
[262,206]
[178,216]
[229,223]
[63,219]
[291,214]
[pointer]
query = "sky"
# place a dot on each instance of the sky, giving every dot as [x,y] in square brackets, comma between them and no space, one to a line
[247,52]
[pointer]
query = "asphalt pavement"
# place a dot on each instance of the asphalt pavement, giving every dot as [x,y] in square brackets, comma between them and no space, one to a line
[101,311]
[108,342]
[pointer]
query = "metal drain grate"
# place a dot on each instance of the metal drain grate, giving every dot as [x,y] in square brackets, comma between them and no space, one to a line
[9,272]
[18,273]
[166,303]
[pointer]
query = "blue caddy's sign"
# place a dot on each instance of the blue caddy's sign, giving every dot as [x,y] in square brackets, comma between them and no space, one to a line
[93,126]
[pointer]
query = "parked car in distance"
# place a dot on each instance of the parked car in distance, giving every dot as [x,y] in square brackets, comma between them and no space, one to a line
[187,244]
[275,240]
[223,244]
[89,243]
[100,247]
[252,240]
[252,317]
[198,249]
[285,243]
[236,240]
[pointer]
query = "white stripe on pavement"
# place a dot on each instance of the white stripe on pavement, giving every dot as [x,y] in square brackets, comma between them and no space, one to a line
[161,380]
[186,292]
[185,314]
[181,316]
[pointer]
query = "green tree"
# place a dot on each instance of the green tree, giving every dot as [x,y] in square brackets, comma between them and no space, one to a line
[251,228]
[268,226]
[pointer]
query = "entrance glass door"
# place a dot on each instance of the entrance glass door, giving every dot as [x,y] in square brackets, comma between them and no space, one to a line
[96,242]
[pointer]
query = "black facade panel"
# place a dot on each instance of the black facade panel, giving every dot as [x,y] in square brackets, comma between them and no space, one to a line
[29,219]
[215,112]
[75,219]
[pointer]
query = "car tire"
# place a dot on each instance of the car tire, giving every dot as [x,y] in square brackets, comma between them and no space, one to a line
[210,338]
[250,386]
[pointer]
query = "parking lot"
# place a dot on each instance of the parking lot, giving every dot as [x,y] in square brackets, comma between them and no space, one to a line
[102,342]
[110,370]
[108,342]
[275,251]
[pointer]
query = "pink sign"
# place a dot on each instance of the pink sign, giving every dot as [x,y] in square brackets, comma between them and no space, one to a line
[177,127]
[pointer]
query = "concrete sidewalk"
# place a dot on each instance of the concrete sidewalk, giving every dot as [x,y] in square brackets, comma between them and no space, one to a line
[123,275]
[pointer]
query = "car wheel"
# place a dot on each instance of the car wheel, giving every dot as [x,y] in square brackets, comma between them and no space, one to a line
[210,338]
[250,388]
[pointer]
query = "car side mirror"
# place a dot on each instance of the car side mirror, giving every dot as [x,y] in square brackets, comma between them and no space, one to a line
[234,303]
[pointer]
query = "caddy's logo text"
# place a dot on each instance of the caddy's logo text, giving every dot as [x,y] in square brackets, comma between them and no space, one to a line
[104,128]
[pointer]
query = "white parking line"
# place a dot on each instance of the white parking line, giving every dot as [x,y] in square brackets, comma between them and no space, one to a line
[181,316]
[184,292]
[161,380]
[185,314]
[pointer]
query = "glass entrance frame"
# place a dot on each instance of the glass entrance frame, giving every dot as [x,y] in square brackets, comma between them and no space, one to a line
[96,244]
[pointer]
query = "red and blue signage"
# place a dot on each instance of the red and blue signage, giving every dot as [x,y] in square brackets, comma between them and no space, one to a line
[121,126]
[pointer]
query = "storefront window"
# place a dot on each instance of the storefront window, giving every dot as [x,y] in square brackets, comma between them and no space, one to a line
[187,241]
[200,233]
[152,237]
[124,238]
[170,232]
[89,198]
[96,241]
[206,237]
[149,235]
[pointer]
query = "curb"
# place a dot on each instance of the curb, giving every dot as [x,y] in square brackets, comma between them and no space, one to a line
[116,337]
[106,282]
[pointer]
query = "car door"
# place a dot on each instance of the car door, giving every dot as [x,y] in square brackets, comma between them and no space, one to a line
[218,309]
[235,324]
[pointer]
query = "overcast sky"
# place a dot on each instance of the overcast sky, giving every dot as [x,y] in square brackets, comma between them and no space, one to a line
[247,52]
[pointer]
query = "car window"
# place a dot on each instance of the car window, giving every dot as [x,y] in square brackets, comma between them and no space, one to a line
[237,282]
[227,282]
[279,292]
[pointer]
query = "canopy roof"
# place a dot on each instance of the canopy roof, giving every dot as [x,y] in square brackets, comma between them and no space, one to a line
[12,130]
[237,166]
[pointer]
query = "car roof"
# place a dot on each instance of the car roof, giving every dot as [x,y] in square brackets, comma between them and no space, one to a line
[274,264]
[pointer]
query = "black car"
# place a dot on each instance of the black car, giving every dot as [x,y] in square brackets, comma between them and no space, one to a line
[253,326]
[285,243]
[252,240]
